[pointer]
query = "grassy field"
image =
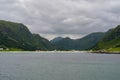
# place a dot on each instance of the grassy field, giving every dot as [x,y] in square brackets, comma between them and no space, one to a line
[114,49]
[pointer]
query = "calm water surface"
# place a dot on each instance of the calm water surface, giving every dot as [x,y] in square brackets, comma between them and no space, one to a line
[59,66]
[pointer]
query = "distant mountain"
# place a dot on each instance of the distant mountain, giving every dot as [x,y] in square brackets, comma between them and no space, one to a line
[89,41]
[110,40]
[63,43]
[84,43]
[56,39]
[17,35]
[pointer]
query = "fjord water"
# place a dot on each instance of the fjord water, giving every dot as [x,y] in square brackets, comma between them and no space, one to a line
[59,66]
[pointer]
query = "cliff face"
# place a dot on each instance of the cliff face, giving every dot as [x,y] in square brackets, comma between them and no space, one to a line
[17,35]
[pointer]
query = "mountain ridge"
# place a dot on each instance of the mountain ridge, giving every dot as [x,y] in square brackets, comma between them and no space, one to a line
[84,43]
[17,35]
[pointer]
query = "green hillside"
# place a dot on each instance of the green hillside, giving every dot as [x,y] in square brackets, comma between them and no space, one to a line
[111,40]
[17,35]
[84,43]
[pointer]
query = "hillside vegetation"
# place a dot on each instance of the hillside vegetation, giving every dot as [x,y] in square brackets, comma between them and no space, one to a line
[111,40]
[84,43]
[17,35]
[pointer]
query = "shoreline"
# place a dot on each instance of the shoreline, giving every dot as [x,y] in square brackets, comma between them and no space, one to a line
[93,52]
[105,52]
[46,51]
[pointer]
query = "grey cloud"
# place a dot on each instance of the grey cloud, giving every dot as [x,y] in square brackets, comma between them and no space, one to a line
[62,17]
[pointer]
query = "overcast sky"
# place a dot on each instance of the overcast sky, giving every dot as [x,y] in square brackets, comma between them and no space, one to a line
[73,18]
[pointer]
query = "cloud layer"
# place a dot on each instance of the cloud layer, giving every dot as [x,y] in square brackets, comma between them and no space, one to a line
[51,18]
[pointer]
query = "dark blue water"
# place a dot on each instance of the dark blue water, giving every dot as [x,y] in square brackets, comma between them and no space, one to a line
[59,66]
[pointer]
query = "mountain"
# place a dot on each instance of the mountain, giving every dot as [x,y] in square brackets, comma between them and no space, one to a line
[89,41]
[110,40]
[63,43]
[17,35]
[84,43]
[56,39]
